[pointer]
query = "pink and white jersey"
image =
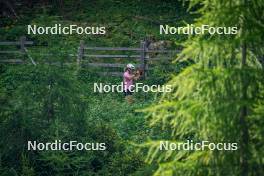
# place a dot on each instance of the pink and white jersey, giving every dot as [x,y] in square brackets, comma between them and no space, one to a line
[127,81]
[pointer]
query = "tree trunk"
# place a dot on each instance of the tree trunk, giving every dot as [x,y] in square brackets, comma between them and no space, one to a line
[243,115]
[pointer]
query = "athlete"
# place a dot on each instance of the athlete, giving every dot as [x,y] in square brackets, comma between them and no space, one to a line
[128,77]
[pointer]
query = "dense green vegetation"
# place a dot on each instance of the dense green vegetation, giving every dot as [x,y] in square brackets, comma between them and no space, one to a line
[219,98]
[217,94]
[45,102]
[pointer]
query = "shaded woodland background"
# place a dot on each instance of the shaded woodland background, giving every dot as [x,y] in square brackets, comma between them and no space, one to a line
[218,91]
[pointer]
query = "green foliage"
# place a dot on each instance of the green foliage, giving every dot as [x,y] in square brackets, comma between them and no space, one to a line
[218,98]
[210,91]
[48,103]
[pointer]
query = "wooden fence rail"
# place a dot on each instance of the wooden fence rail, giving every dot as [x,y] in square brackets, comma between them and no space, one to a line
[112,49]
[22,51]
[108,65]
[16,43]
[111,56]
[140,54]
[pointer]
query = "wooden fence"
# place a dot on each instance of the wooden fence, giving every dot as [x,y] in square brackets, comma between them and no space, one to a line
[22,43]
[141,55]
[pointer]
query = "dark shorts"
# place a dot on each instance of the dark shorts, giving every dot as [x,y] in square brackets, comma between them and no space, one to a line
[127,92]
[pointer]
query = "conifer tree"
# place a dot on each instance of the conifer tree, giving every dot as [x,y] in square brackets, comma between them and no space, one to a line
[219,98]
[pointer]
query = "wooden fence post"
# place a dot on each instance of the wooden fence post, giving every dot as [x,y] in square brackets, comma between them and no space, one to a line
[142,58]
[22,44]
[24,50]
[80,53]
[22,47]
